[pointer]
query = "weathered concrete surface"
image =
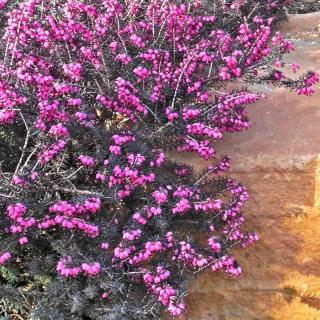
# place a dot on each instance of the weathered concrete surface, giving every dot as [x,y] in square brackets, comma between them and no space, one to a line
[278,160]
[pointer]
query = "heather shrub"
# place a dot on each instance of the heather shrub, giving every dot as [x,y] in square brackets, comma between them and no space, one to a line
[301,6]
[97,222]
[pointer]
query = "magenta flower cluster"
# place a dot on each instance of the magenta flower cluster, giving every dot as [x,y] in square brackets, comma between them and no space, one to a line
[94,95]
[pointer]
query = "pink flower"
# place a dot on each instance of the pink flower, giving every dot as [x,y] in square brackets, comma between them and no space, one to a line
[73,70]
[295,67]
[100,176]
[23,240]
[3,4]
[105,295]
[105,245]
[91,269]
[4,258]
[87,161]
[59,130]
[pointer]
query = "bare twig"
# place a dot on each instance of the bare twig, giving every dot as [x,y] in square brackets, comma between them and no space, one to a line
[26,141]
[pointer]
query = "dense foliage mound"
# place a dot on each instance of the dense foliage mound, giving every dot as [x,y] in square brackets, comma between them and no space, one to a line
[303,6]
[96,221]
